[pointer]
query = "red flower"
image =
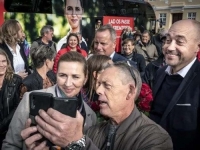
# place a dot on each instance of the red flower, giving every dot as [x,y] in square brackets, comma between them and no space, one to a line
[145,98]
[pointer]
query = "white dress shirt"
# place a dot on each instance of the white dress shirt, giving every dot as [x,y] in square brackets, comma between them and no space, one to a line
[183,71]
[18,62]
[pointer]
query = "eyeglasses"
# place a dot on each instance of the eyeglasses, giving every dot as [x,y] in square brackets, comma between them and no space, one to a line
[126,65]
[130,68]
[73,11]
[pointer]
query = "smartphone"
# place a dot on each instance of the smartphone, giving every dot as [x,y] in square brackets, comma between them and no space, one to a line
[67,106]
[39,100]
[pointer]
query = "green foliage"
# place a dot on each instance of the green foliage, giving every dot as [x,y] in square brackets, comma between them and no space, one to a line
[32,23]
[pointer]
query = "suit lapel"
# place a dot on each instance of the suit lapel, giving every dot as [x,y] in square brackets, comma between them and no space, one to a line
[181,89]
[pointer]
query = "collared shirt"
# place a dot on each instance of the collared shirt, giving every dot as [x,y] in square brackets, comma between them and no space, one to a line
[18,62]
[64,41]
[112,55]
[183,71]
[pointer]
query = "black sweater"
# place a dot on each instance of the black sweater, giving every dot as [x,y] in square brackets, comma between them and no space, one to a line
[164,96]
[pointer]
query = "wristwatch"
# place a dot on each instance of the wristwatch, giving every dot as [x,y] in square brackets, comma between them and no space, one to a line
[76,145]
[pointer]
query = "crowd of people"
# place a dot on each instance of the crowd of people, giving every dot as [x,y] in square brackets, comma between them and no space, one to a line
[167,62]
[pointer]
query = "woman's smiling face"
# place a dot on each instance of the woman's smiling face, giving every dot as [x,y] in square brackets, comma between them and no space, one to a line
[3,65]
[71,77]
[73,42]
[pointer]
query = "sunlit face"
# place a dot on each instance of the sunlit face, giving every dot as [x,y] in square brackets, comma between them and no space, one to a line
[70,77]
[3,65]
[112,93]
[74,12]
[20,33]
[128,48]
[103,44]
[181,46]
[73,42]
[49,35]
[145,38]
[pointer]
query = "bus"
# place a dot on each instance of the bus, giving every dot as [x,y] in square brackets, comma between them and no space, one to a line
[33,14]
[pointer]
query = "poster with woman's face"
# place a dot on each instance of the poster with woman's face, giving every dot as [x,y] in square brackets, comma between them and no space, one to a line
[73,13]
[65,16]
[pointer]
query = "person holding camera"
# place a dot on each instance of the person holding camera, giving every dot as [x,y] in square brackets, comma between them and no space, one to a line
[71,76]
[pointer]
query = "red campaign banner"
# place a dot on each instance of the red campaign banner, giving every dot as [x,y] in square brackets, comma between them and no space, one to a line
[119,23]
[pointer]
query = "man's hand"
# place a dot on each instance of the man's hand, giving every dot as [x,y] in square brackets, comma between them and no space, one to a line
[31,141]
[59,128]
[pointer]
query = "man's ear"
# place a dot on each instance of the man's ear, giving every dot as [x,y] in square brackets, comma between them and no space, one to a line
[46,61]
[114,44]
[131,93]
[199,45]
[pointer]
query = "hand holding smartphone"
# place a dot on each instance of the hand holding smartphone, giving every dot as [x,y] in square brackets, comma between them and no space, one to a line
[41,100]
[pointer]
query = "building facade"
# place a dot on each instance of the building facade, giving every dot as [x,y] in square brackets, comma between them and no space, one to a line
[169,11]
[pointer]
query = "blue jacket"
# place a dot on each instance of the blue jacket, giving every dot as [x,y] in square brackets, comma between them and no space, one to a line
[118,57]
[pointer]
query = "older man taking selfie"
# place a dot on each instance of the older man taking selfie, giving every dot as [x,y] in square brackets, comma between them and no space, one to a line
[118,86]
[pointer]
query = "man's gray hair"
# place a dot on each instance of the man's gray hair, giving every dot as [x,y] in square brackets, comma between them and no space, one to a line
[146,32]
[110,29]
[46,29]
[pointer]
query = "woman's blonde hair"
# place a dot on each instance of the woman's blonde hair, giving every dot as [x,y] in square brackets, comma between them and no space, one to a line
[9,71]
[9,31]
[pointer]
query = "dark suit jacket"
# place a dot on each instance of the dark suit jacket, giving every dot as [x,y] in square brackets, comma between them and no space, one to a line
[118,57]
[10,56]
[84,46]
[181,118]
[140,62]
